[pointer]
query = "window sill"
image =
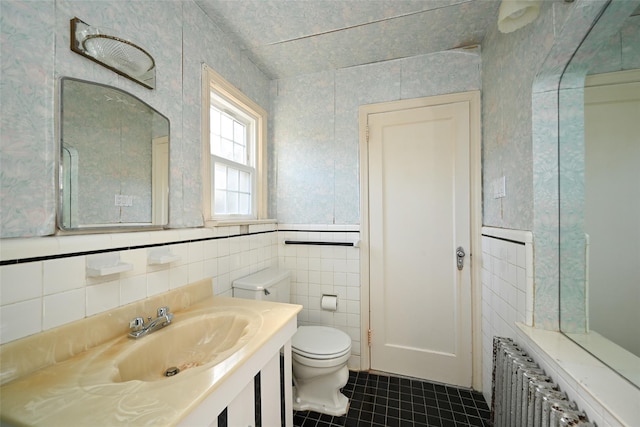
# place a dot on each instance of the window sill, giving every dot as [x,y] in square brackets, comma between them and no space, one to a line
[233,222]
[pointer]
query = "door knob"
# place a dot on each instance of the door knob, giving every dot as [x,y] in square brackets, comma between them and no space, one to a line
[460,257]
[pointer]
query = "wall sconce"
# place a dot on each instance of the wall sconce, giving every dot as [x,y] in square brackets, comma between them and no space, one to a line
[515,14]
[115,53]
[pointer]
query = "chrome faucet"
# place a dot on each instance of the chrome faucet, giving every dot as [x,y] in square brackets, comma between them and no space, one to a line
[140,329]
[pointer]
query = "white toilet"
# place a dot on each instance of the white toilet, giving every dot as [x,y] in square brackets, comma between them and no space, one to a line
[319,353]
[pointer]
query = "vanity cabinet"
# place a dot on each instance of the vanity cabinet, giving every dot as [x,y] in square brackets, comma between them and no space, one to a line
[238,394]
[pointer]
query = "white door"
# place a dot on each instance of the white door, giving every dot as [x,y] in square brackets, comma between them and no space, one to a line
[419,214]
[160,180]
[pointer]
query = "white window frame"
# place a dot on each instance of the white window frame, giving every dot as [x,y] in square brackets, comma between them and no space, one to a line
[230,95]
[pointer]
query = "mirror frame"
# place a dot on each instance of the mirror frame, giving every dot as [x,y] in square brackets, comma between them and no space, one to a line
[60,172]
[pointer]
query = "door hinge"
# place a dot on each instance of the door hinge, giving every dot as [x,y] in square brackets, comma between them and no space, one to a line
[369,334]
[366,133]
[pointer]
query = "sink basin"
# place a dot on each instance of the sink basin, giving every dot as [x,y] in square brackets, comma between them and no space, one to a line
[191,341]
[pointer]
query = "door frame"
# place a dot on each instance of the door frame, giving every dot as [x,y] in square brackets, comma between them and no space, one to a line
[475,189]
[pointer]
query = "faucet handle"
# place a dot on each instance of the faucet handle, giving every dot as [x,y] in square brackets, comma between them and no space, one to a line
[136,323]
[163,311]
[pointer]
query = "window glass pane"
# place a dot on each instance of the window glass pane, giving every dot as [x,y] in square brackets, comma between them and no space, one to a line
[226,149]
[220,202]
[220,178]
[244,204]
[245,182]
[232,179]
[232,202]
[239,154]
[226,127]
[214,124]
[238,133]
[215,144]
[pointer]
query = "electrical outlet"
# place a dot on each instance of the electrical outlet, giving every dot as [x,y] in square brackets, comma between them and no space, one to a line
[122,200]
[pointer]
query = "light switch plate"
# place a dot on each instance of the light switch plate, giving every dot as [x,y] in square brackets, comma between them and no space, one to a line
[500,187]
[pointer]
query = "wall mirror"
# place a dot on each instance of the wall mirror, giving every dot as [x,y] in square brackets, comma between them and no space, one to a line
[599,152]
[114,160]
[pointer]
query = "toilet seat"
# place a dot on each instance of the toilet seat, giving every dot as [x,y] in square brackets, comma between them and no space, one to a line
[320,342]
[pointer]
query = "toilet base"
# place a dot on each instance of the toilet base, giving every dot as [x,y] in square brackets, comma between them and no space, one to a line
[320,393]
[337,409]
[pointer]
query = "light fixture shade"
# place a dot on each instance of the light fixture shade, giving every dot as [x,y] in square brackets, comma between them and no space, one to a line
[515,14]
[116,53]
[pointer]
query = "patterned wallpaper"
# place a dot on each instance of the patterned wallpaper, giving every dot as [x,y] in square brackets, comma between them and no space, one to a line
[513,61]
[27,162]
[307,37]
[315,127]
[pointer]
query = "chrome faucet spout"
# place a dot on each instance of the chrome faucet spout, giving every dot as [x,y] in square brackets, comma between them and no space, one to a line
[138,329]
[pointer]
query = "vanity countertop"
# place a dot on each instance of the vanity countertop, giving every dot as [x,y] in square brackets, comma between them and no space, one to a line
[67,393]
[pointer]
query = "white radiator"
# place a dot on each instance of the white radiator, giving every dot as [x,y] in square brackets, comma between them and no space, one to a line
[523,396]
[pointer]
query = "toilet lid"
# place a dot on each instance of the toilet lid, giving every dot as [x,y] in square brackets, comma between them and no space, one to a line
[320,342]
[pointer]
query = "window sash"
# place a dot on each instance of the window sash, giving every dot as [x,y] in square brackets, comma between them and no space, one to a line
[237,141]
[235,197]
[231,143]
[221,94]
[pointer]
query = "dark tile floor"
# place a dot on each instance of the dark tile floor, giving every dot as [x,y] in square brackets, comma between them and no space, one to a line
[379,400]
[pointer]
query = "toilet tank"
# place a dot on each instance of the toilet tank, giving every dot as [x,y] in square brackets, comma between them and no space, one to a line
[271,284]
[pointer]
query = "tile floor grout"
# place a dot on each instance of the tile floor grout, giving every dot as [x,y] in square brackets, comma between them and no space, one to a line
[387,401]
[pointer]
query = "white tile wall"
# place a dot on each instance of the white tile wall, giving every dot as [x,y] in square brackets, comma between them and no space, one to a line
[28,276]
[318,270]
[40,295]
[507,291]
[64,274]
[24,318]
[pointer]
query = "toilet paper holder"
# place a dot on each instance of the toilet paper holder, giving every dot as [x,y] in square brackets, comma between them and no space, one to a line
[329,302]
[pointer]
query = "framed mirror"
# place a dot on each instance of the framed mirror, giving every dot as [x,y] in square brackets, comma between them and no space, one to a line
[114,160]
[599,152]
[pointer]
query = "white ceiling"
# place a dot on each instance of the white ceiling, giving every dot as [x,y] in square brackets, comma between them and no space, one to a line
[292,37]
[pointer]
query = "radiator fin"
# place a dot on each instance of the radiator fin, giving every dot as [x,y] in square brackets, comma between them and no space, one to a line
[524,396]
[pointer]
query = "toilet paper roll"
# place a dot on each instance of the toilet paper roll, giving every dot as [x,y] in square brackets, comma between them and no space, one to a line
[329,302]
